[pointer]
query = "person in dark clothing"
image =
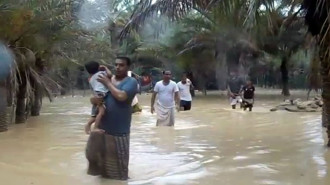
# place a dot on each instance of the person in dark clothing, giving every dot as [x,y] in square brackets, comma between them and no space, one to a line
[248,95]
[234,87]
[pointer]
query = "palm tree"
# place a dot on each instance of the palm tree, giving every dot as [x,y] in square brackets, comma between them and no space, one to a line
[208,29]
[318,21]
[284,38]
[223,24]
[314,78]
[33,27]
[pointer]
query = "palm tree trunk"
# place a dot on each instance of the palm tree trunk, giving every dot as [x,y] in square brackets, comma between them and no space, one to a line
[325,63]
[21,103]
[72,90]
[221,70]
[204,89]
[37,100]
[324,117]
[11,97]
[285,76]
[318,24]
[204,81]
[3,110]
[192,79]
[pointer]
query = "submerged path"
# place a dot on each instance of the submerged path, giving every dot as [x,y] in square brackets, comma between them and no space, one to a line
[210,145]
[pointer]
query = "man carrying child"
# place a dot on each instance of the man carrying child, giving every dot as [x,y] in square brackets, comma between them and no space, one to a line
[112,145]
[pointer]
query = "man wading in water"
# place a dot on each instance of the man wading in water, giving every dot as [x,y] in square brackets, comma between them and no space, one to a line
[108,152]
[166,90]
[235,84]
[184,91]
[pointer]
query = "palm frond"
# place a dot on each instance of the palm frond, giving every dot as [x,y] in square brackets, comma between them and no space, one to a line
[197,22]
[316,15]
[46,83]
[201,41]
[174,9]
[4,7]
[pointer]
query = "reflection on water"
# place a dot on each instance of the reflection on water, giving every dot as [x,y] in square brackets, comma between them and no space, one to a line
[212,144]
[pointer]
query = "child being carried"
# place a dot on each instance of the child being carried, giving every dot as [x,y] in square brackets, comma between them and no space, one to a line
[99,91]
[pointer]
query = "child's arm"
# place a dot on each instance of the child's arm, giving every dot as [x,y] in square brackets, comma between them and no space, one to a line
[107,70]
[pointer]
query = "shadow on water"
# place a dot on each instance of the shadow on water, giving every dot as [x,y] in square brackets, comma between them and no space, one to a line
[211,144]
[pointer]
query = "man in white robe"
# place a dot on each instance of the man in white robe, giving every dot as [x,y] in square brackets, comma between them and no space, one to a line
[167,93]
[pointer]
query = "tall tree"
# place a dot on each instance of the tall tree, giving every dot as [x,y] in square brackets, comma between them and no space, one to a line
[209,26]
[33,27]
[318,21]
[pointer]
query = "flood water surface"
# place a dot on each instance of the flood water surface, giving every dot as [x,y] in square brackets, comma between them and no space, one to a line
[211,144]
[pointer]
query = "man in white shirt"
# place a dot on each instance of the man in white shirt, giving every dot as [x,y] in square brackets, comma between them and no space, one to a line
[184,92]
[167,94]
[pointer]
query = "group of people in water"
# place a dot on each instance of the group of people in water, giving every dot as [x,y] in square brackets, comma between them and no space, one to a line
[170,96]
[240,92]
[114,95]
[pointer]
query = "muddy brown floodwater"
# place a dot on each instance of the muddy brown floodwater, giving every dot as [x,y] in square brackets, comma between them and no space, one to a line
[210,145]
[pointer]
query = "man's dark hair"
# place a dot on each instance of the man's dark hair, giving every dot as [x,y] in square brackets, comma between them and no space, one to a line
[167,71]
[128,60]
[92,67]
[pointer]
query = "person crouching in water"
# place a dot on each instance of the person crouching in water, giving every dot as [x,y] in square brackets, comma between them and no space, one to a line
[99,91]
[248,95]
[234,87]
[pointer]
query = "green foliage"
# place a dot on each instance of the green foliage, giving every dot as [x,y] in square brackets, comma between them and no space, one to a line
[197,32]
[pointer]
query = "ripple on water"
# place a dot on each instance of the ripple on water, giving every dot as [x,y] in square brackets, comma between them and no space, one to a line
[238,158]
[268,182]
[260,168]
[321,166]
